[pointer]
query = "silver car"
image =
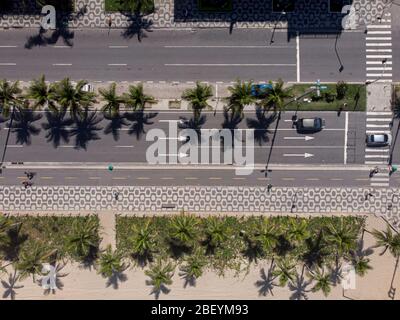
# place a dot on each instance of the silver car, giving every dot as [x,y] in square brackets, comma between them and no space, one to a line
[379,139]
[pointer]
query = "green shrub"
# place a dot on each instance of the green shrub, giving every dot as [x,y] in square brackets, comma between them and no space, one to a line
[329,96]
[341,90]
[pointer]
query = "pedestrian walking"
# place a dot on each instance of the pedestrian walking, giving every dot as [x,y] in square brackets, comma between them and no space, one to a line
[29,174]
[368,195]
[269,187]
[116,195]
[27,184]
[109,24]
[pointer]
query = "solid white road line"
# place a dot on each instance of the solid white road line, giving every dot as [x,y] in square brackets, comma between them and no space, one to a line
[117,64]
[118,47]
[379,50]
[61,64]
[370,156]
[379,119]
[376,150]
[8,46]
[15,146]
[378,68]
[377,113]
[378,125]
[298,56]
[378,38]
[124,146]
[230,65]
[380,32]
[379,62]
[380,44]
[378,26]
[8,64]
[229,47]
[386,75]
[345,137]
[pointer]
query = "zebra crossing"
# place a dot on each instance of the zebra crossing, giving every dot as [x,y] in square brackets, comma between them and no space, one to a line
[379,122]
[379,50]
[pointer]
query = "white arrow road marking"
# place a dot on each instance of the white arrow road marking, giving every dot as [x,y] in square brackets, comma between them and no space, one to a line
[306,138]
[305,155]
[181,155]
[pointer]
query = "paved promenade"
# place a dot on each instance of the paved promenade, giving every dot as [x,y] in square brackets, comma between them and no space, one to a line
[310,14]
[199,199]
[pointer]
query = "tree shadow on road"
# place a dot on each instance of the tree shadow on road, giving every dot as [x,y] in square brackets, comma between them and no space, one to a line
[85,129]
[41,40]
[23,126]
[57,127]
[196,122]
[261,125]
[139,120]
[115,124]
[138,26]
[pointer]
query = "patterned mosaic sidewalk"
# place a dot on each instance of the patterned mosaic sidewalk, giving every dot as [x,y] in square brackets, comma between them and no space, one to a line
[310,14]
[384,202]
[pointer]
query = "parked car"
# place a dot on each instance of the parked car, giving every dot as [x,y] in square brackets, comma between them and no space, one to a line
[310,124]
[378,139]
[260,90]
[88,88]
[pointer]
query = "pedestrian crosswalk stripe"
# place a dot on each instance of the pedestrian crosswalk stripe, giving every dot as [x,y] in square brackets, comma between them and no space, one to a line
[379,38]
[379,62]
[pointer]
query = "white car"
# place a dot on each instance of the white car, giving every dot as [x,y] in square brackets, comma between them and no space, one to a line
[88,88]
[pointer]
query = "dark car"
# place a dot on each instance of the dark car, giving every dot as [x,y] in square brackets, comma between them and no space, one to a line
[261,90]
[378,139]
[310,124]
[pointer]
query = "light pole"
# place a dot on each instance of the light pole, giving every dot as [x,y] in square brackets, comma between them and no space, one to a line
[276,23]
[8,137]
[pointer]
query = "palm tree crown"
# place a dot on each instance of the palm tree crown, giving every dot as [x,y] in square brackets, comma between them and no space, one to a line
[9,96]
[41,93]
[112,101]
[136,99]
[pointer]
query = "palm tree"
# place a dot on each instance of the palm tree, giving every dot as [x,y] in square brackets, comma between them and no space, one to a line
[83,240]
[9,96]
[342,235]
[268,237]
[198,97]
[136,99]
[276,97]
[41,93]
[193,268]
[241,95]
[285,271]
[361,265]
[183,230]
[160,275]
[73,98]
[112,101]
[30,260]
[142,242]
[297,231]
[110,262]
[390,242]
[215,231]
[323,281]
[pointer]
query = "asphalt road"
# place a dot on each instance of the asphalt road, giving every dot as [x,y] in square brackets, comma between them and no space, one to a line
[189,177]
[290,147]
[208,55]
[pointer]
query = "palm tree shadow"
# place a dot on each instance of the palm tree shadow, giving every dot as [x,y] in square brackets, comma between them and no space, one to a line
[231,123]
[41,40]
[163,289]
[11,285]
[138,26]
[59,285]
[85,129]
[194,123]
[299,287]
[189,280]
[266,284]
[116,123]
[15,241]
[57,127]
[23,126]
[140,119]
[116,279]
[261,125]
[336,273]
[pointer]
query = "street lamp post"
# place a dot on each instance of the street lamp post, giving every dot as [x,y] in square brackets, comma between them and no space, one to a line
[8,137]
[276,23]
